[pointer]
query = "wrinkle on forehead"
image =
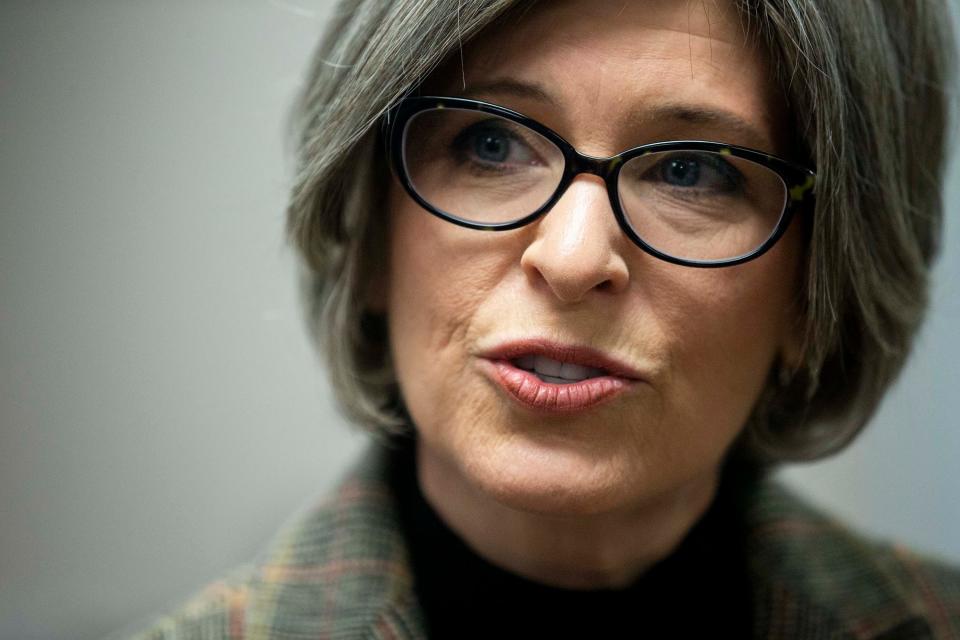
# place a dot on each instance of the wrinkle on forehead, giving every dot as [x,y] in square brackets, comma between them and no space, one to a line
[707,22]
[629,54]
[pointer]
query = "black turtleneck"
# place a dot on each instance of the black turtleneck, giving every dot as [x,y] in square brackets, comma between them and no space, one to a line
[700,590]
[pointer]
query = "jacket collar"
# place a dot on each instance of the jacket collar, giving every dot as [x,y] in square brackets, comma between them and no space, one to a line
[811,572]
[341,566]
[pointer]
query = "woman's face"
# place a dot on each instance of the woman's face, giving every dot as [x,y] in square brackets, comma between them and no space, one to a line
[700,342]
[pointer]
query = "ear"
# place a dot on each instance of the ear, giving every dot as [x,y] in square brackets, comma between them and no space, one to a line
[793,341]
[375,288]
[793,344]
[376,291]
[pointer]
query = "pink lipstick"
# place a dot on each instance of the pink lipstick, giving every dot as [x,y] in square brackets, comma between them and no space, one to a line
[557,379]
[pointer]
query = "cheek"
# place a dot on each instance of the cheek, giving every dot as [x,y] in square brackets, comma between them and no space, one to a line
[723,314]
[438,282]
[725,327]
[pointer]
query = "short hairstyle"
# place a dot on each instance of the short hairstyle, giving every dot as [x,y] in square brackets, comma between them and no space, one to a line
[866,84]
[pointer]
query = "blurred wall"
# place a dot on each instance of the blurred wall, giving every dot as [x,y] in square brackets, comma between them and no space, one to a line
[161,410]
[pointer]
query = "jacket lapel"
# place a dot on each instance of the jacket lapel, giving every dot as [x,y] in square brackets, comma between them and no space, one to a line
[815,578]
[341,569]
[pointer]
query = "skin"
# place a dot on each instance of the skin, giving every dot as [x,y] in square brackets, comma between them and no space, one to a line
[590,500]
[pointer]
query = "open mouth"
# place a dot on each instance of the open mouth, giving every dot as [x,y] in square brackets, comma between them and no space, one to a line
[555,371]
[557,379]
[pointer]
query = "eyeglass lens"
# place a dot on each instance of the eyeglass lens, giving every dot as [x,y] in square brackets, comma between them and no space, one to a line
[690,204]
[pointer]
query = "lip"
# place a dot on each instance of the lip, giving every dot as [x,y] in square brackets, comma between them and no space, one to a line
[557,399]
[585,356]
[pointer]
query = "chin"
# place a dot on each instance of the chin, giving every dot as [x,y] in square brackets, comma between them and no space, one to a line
[531,475]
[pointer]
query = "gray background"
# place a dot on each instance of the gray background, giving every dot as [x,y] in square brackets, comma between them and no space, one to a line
[161,410]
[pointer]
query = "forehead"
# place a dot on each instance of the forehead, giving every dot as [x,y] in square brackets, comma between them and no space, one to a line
[625,64]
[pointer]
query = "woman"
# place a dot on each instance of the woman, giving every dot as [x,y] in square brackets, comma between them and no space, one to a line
[589,272]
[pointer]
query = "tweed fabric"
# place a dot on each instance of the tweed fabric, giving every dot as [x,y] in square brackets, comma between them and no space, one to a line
[341,570]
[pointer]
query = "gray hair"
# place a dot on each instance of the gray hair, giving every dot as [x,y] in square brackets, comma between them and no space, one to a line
[866,83]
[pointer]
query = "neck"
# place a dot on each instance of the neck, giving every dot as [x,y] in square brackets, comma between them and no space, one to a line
[607,550]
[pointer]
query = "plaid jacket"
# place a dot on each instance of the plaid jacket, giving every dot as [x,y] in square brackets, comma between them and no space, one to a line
[341,570]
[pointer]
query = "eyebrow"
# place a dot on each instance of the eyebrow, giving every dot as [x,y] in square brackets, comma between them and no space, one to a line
[509,86]
[516,88]
[719,119]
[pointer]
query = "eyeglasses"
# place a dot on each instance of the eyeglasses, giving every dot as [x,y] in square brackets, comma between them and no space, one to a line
[689,202]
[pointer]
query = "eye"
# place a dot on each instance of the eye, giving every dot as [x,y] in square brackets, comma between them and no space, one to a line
[494,143]
[491,146]
[696,170]
[681,172]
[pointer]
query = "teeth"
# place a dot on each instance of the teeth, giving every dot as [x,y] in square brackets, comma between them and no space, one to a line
[526,362]
[547,366]
[557,372]
[554,380]
[577,372]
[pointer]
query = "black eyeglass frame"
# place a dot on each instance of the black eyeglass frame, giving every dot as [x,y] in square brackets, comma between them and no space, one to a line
[799,180]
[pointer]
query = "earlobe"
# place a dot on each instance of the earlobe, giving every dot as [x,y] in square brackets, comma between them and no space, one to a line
[375,294]
[794,343]
[376,272]
[792,349]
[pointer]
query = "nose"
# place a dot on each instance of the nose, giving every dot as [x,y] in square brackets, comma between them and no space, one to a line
[578,246]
